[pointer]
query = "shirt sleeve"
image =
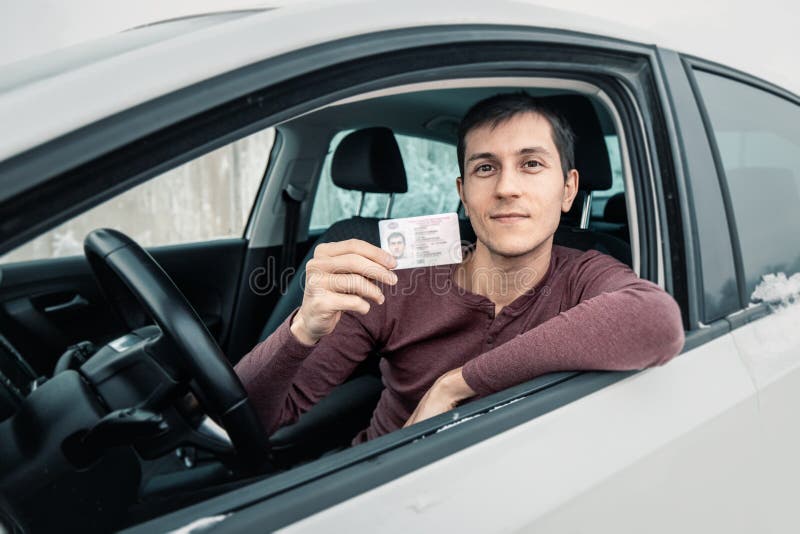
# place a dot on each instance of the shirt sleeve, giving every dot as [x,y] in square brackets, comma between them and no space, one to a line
[616,322]
[285,378]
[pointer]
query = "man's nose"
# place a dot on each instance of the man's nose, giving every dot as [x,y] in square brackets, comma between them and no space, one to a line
[508,183]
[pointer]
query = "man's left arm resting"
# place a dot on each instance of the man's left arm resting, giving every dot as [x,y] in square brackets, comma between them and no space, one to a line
[634,326]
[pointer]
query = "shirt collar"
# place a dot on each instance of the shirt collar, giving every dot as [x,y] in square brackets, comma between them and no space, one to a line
[516,307]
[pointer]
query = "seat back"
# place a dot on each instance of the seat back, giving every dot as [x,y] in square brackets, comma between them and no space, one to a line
[366,160]
[615,218]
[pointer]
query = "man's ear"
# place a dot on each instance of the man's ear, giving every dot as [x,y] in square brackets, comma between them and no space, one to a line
[570,190]
[460,188]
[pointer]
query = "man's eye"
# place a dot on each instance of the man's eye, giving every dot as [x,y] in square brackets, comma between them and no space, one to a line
[532,164]
[485,167]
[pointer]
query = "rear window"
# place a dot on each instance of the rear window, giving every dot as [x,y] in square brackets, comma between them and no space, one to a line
[431,170]
[758,137]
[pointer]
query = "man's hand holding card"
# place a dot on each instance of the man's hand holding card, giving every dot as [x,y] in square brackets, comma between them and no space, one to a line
[341,276]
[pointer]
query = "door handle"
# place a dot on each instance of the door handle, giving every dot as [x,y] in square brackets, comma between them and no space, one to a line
[73,304]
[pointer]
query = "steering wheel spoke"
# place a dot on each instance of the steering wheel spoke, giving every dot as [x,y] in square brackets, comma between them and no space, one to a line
[134,283]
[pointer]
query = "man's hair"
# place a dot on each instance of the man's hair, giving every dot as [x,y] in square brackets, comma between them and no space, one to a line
[397,234]
[502,107]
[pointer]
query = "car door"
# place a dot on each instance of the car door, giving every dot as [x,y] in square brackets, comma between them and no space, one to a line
[192,220]
[757,153]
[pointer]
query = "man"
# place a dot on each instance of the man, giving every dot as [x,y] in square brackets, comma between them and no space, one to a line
[397,244]
[515,308]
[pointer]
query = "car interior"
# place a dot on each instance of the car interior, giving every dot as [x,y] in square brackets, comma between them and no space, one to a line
[369,161]
[128,402]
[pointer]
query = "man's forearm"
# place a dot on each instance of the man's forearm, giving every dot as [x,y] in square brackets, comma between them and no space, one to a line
[631,328]
[284,377]
[267,373]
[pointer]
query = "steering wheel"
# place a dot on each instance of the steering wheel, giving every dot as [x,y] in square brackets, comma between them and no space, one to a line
[134,283]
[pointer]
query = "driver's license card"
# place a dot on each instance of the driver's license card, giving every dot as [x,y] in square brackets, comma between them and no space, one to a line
[422,241]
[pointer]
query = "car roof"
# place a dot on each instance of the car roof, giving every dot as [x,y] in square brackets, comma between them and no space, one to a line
[80,85]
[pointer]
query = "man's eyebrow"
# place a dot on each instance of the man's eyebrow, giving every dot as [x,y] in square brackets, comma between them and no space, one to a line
[532,150]
[535,150]
[481,155]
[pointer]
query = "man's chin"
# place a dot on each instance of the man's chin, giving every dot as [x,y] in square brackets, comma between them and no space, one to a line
[515,250]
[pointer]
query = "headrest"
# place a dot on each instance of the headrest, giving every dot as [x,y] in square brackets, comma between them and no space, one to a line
[369,160]
[591,154]
[615,210]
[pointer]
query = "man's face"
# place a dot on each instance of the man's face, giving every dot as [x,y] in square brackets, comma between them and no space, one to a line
[513,188]
[397,246]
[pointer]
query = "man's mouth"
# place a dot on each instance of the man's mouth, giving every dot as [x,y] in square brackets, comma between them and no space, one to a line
[510,217]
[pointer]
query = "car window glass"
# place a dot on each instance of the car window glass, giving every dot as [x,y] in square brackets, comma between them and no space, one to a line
[431,170]
[207,198]
[600,198]
[758,138]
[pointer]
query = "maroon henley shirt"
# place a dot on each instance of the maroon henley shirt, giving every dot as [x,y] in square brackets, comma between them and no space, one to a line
[589,312]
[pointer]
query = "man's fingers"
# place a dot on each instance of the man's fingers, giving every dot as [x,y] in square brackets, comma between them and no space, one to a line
[352,264]
[356,246]
[354,284]
[339,278]
[413,418]
[344,302]
[415,414]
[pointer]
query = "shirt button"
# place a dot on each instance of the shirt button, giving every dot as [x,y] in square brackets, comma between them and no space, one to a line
[490,314]
[490,340]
